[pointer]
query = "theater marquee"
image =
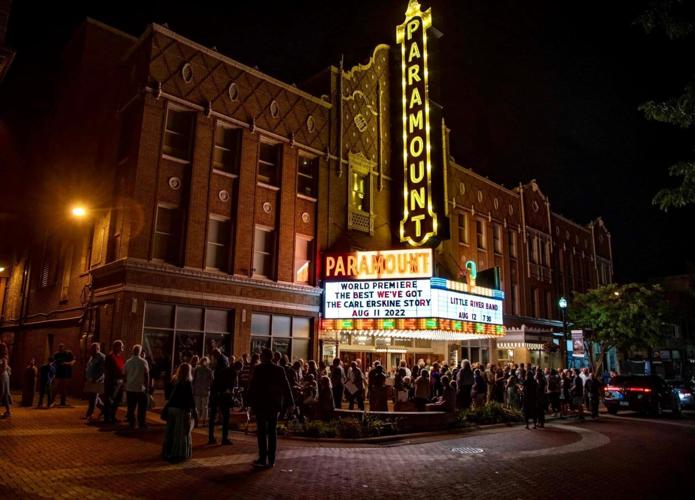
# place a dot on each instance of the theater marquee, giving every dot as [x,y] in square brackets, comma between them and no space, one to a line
[419,223]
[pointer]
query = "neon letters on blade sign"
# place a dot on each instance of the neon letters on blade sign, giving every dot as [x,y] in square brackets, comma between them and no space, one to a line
[419,221]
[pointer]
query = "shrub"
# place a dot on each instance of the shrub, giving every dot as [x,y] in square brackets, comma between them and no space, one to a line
[349,428]
[491,413]
[319,428]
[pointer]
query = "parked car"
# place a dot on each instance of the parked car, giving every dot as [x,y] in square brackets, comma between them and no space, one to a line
[644,393]
[685,394]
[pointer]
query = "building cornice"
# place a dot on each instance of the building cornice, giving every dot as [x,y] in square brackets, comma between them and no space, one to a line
[484,179]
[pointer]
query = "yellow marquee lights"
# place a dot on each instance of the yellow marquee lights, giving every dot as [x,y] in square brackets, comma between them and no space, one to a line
[419,222]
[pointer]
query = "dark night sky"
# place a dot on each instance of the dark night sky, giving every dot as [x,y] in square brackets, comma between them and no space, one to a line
[544,90]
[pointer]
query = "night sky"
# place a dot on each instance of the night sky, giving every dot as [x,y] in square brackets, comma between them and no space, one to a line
[531,89]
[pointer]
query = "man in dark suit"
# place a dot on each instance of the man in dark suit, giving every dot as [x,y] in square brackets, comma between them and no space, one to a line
[269,393]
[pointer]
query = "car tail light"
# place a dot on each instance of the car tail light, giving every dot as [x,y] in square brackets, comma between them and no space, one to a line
[639,389]
[612,388]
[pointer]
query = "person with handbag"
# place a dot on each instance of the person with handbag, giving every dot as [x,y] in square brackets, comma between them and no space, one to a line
[179,414]
[94,378]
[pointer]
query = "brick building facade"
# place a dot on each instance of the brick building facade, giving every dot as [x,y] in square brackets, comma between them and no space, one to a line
[212,191]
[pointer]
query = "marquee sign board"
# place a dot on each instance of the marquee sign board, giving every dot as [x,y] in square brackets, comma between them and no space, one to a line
[419,222]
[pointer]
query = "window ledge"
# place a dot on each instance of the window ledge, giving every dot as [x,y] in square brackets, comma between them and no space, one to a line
[175,159]
[267,186]
[224,173]
[306,197]
[463,244]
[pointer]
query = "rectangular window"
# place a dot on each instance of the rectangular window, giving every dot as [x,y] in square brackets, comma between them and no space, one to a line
[303,251]
[497,238]
[285,334]
[359,191]
[268,161]
[512,243]
[546,253]
[307,176]
[263,252]
[167,235]
[227,148]
[534,302]
[178,133]
[217,255]
[549,313]
[480,233]
[462,219]
[515,298]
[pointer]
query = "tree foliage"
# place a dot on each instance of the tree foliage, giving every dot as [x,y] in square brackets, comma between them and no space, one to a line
[620,316]
[675,19]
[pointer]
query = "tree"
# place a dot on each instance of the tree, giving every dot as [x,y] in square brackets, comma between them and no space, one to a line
[676,19]
[619,316]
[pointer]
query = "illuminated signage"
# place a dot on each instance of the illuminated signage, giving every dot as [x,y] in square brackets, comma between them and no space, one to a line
[407,298]
[379,264]
[419,222]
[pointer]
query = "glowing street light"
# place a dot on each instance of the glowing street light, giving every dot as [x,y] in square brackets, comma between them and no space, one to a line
[616,293]
[79,211]
[2,269]
[562,303]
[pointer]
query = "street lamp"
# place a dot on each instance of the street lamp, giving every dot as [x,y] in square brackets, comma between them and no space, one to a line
[562,303]
[78,211]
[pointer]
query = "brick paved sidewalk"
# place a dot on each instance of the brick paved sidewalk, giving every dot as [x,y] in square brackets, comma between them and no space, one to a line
[54,454]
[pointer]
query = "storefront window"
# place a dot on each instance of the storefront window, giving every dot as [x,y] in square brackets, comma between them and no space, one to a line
[284,334]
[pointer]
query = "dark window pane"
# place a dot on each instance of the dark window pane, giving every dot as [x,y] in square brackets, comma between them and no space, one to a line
[157,346]
[188,344]
[216,320]
[281,345]
[258,343]
[307,176]
[189,318]
[260,324]
[300,349]
[220,341]
[301,327]
[159,315]
[281,326]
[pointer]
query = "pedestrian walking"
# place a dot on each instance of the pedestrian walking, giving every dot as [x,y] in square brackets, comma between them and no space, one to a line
[338,380]
[94,379]
[113,381]
[269,394]
[64,361]
[202,382]
[29,383]
[179,413]
[47,373]
[137,374]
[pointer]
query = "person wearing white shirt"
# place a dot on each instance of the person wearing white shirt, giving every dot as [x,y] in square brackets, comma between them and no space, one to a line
[136,373]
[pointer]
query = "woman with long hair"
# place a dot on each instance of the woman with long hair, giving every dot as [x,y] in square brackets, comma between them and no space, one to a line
[179,414]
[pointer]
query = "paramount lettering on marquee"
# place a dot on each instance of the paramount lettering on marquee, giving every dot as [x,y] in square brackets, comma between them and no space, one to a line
[386,264]
[419,221]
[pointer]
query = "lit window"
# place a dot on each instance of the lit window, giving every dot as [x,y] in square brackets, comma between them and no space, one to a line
[264,248]
[359,193]
[480,232]
[307,175]
[284,334]
[497,238]
[217,255]
[227,148]
[178,133]
[268,160]
[167,235]
[302,259]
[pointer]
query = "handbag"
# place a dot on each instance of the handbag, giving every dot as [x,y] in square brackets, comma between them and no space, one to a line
[351,387]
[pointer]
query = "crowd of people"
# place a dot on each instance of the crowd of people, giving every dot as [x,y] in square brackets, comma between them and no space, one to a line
[266,386]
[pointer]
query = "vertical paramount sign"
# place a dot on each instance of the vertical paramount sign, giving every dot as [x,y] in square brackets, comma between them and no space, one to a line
[419,222]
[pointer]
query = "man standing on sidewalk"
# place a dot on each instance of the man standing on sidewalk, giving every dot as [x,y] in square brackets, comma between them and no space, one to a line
[269,394]
[137,374]
[220,363]
[113,381]
[64,360]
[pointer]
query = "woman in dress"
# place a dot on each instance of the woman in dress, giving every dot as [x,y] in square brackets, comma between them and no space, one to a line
[180,413]
[5,395]
[513,391]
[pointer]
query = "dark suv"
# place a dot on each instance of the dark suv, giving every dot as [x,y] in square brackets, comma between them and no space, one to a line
[644,393]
